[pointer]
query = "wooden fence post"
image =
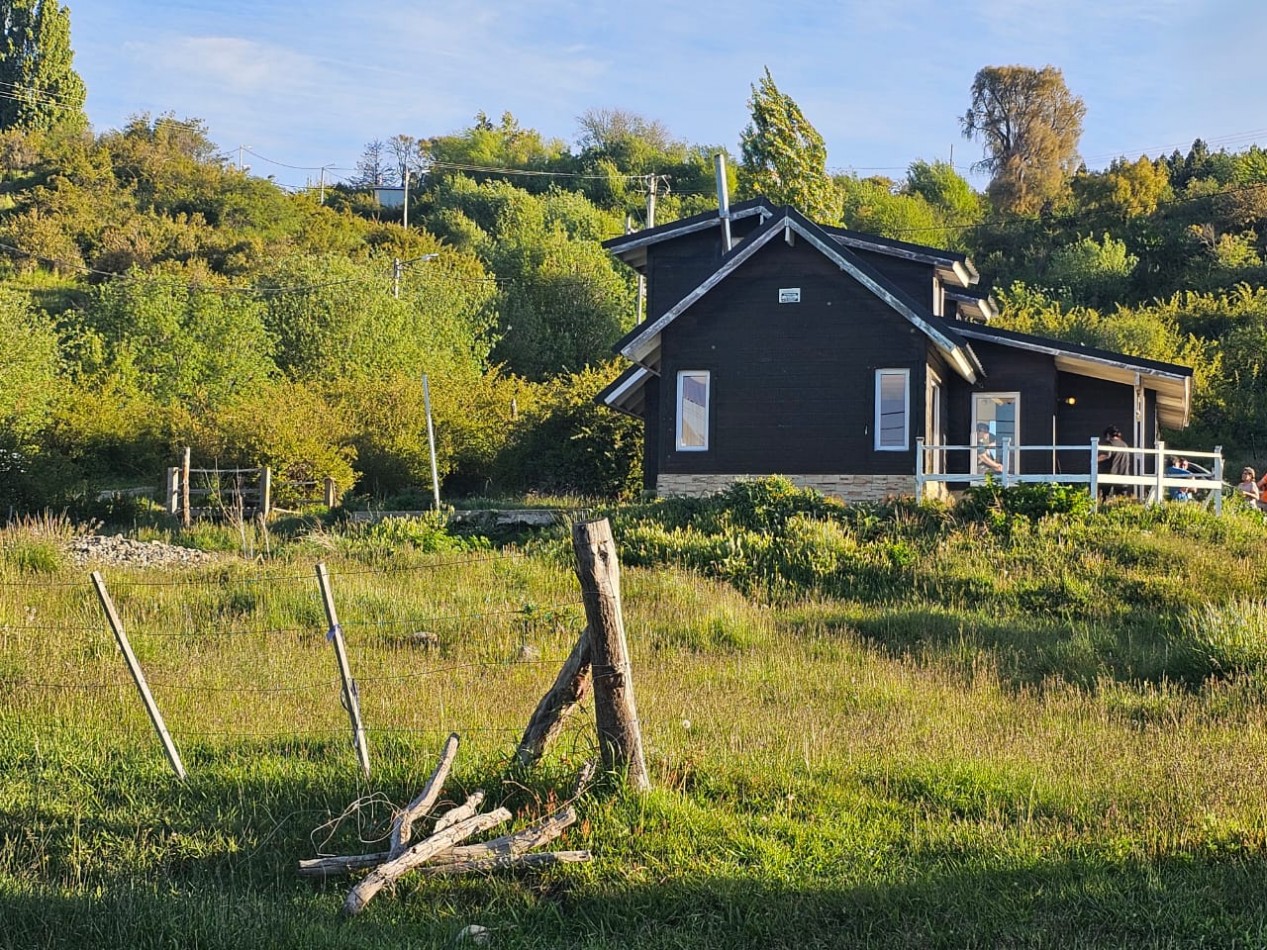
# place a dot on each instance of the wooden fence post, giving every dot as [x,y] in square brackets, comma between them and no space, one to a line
[266,490]
[598,570]
[569,690]
[138,676]
[172,491]
[350,698]
[330,492]
[186,518]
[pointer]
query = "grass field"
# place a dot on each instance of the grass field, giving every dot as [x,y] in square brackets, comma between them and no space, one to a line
[1045,736]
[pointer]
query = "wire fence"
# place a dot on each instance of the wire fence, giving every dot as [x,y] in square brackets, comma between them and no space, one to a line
[229,655]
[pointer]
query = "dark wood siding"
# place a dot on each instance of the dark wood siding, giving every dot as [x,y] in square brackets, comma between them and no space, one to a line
[677,267]
[912,277]
[1099,404]
[1007,370]
[650,435]
[792,385]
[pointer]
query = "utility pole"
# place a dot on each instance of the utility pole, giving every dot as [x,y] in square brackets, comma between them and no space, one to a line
[397,267]
[653,182]
[406,183]
[322,199]
[241,149]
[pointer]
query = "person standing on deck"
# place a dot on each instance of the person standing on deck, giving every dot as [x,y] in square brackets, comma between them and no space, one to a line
[1114,463]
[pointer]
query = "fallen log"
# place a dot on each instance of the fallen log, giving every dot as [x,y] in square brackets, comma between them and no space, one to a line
[460,813]
[402,825]
[388,872]
[513,844]
[499,862]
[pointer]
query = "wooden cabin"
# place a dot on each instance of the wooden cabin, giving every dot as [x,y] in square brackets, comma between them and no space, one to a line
[825,355]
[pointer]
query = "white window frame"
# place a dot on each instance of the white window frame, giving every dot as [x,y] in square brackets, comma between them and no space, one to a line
[708,400]
[906,409]
[1016,440]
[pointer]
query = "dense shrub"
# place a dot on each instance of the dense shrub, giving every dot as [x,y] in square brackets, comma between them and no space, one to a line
[565,443]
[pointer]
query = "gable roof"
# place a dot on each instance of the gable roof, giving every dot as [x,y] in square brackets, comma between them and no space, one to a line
[632,248]
[642,344]
[952,267]
[1171,381]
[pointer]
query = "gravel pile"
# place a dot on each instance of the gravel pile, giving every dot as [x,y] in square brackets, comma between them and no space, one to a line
[119,551]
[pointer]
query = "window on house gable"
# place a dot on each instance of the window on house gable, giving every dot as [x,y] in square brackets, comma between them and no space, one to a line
[892,410]
[692,410]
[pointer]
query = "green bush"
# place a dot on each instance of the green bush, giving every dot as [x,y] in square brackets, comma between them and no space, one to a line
[1001,507]
[564,443]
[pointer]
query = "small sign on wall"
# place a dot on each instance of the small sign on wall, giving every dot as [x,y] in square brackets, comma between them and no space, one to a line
[789,295]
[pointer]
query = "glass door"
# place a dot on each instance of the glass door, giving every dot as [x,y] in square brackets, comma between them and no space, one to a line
[995,417]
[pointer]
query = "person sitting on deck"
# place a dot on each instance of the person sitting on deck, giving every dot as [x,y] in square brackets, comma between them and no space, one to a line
[1178,468]
[987,461]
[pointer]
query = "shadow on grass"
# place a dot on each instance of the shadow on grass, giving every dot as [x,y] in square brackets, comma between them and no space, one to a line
[1132,645]
[1214,901]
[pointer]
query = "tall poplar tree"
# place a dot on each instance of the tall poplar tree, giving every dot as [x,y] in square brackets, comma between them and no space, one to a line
[39,88]
[784,157]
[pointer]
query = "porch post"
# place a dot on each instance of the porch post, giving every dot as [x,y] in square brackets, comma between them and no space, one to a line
[919,468]
[1006,451]
[1218,479]
[1094,484]
[1161,471]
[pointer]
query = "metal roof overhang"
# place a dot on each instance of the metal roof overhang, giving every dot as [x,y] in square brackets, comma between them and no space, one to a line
[630,395]
[1174,392]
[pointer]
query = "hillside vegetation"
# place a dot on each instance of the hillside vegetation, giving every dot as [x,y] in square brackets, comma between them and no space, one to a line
[152,295]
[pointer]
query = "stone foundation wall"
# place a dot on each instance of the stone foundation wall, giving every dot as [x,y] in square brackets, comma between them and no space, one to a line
[846,487]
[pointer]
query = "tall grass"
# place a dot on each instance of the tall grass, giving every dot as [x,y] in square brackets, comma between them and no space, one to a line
[978,750]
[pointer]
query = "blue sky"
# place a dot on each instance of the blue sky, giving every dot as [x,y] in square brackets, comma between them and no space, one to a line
[884,81]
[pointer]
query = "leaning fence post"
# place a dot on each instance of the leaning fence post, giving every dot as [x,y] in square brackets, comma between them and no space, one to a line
[138,676]
[351,700]
[616,713]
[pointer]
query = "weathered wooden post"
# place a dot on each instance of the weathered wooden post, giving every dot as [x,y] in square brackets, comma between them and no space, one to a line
[138,676]
[598,570]
[186,518]
[266,491]
[919,468]
[171,495]
[569,690]
[331,492]
[350,698]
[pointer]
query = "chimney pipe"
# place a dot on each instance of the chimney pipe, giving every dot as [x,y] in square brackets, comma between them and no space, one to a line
[723,201]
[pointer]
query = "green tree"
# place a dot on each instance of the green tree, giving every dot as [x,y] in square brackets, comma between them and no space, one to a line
[877,206]
[1092,272]
[40,88]
[946,190]
[1029,124]
[784,157]
[29,366]
[177,343]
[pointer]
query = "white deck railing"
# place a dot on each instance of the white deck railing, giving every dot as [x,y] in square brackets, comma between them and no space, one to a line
[1152,487]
